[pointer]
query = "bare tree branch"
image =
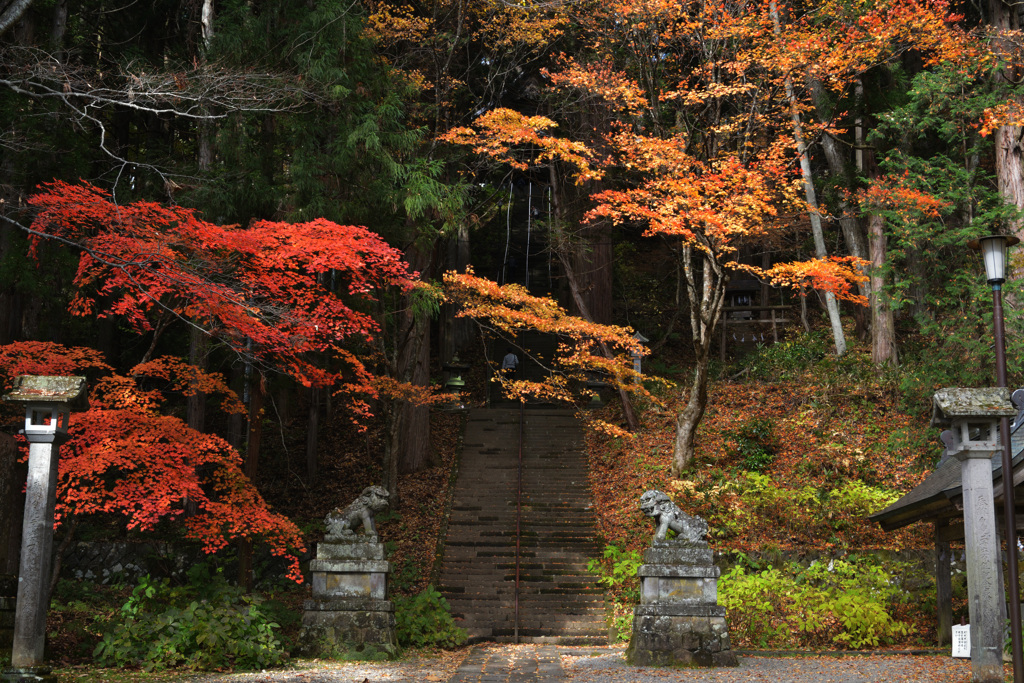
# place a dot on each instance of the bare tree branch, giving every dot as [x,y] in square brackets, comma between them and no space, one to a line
[204,91]
[12,13]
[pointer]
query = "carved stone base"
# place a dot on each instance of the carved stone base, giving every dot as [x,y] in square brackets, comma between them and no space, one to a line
[28,674]
[663,637]
[679,621]
[331,627]
[349,611]
[354,569]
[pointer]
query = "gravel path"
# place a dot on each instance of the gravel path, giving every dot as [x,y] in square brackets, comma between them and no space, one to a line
[551,664]
[611,668]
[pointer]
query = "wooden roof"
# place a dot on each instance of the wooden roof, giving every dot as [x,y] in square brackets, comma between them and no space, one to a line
[939,496]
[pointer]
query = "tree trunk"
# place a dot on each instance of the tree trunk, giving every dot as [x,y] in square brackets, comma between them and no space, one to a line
[689,419]
[250,468]
[312,435]
[559,247]
[204,155]
[59,28]
[831,305]
[883,332]
[12,504]
[414,420]
[593,263]
[839,164]
[414,367]
[12,13]
[456,333]
[407,425]
[1009,140]
[705,290]
[198,357]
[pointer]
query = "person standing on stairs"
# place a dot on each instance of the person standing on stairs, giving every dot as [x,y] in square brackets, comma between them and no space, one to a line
[509,364]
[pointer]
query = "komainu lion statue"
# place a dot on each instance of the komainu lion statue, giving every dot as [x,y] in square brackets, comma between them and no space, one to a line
[667,515]
[342,524]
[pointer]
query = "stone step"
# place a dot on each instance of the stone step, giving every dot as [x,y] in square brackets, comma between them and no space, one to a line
[558,599]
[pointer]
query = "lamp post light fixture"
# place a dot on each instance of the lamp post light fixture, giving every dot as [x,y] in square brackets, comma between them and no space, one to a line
[48,402]
[993,249]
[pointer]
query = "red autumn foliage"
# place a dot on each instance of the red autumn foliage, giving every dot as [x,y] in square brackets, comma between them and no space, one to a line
[125,458]
[261,289]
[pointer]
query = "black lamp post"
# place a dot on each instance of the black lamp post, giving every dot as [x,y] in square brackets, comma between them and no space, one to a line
[993,251]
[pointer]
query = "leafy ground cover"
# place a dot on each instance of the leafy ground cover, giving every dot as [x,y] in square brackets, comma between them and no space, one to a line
[792,456]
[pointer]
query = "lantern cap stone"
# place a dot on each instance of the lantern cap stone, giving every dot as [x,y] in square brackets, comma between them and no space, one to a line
[47,389]
[959,403]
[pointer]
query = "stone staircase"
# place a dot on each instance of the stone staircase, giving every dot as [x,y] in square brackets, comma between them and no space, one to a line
[559,601]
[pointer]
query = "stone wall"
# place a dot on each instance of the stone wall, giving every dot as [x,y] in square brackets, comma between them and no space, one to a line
[118,562]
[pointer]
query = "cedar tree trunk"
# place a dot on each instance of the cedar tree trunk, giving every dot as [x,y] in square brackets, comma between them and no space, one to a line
[883,332]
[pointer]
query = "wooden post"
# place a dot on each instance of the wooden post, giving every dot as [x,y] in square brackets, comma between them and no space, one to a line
[943,586]
[775,329]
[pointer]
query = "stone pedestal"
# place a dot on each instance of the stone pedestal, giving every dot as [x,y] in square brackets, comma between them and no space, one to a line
[349,609]
[28,674]
[678,621]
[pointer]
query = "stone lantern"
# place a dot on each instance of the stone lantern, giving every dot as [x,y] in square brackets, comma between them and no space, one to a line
[636,355]
[48,402]
[454,385]
[973,416]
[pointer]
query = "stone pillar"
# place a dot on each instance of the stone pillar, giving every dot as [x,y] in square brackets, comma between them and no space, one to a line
[678,621]
[349,609]
[47,401]
[27,659]
[984,589]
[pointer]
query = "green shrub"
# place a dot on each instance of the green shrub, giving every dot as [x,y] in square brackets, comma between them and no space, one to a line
[755,442]
[207,625]
[857,499]
[790,359]
[618,571]
[844,603]
[424,620]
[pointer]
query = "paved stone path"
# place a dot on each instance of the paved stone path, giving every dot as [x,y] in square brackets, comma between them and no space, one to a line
[511,664]
[492,663]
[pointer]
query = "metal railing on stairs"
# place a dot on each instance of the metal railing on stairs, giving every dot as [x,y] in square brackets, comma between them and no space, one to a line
[519,514]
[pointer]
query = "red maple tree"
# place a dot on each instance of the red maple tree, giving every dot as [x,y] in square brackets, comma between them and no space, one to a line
[284,296]
[264,290]
[125,458]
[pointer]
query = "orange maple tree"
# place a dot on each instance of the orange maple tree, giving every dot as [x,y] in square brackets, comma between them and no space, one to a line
[711,208]
[579,357]
[126,458]
[693,115]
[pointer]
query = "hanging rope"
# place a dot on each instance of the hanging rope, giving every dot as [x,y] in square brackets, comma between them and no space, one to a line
[508,233]
[549,239]
[529,224]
